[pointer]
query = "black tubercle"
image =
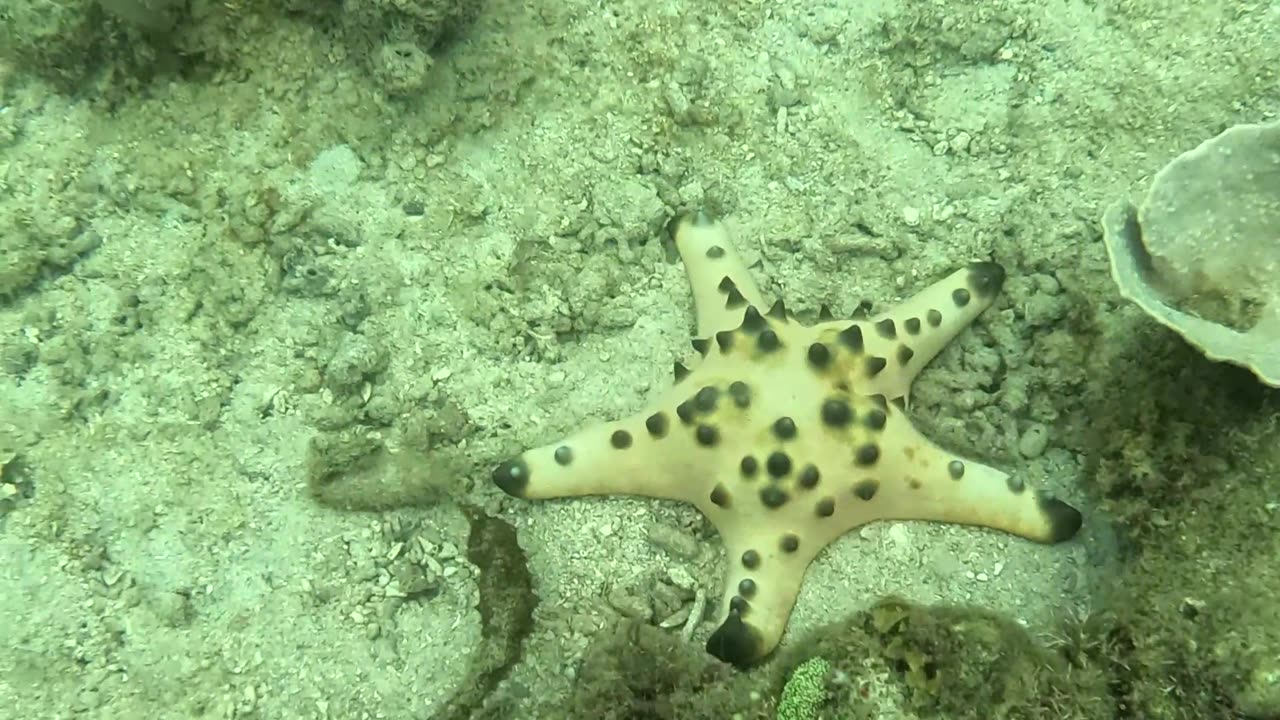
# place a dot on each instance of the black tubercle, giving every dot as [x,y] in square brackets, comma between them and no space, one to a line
[657,425]
[784,428]
[875,365]
[681,371]
[773,497]
[819,355]
[706,399]
[836,412]
[735,299]
[851,338]
[563,455]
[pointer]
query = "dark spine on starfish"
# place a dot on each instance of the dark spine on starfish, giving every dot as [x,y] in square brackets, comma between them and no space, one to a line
[752,320]
[875,365]
[657,425]
[681,371]
[851,338]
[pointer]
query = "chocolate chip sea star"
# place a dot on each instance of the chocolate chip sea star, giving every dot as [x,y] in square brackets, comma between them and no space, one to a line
[785,436]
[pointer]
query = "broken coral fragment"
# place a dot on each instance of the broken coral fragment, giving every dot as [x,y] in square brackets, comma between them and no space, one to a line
[1202,254]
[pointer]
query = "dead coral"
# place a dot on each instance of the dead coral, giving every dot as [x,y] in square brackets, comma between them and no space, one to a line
[1202,254]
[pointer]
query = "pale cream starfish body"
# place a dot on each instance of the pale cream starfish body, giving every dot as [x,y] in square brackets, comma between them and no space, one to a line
[784,436]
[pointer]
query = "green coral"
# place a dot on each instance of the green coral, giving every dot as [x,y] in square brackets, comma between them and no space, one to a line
[806,690]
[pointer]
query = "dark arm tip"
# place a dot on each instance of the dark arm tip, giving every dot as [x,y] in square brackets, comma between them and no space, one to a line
[512,477]
[1064,520]
[736,643]
[986,278]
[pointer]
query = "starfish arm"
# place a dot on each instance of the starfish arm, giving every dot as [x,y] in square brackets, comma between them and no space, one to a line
[763,576]
[721,283]
[908,336]
[901,475]
[646,455]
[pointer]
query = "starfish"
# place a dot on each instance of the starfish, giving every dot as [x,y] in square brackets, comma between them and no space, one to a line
[786,436]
